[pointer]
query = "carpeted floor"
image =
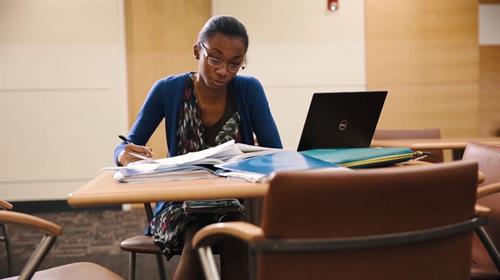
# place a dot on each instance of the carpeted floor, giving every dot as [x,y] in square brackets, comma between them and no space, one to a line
[89,235]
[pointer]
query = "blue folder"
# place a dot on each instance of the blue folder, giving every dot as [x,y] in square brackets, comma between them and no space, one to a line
[284,160]
[362,157]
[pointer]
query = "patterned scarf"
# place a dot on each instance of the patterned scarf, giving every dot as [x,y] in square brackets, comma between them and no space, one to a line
[190,128]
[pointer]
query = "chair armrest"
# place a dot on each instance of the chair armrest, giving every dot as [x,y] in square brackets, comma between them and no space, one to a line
[482,211]
[5,205]
[488,190]
[241,230]
[480,177]
[31,221]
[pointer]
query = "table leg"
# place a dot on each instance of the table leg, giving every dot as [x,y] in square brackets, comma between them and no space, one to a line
[253,214]
[253,208]
[457,154]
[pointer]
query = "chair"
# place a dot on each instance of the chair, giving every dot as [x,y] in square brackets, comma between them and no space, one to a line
[145,245]
[80,270]
[386,134]
[388,223]
[488,158]
[4,205]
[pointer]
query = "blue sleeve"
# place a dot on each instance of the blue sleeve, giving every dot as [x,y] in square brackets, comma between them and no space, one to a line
[149,117]
[263,123]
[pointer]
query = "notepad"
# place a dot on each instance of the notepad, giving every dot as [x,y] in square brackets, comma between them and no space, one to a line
[362,157]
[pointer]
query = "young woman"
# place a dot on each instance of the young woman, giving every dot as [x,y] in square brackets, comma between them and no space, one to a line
[204,109]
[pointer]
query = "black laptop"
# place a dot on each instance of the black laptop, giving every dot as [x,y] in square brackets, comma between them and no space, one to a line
[341,119]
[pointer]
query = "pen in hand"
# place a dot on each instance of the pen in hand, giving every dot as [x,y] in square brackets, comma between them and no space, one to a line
[136,155]
[125,139]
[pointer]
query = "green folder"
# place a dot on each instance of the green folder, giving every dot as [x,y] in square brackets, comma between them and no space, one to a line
[362,157]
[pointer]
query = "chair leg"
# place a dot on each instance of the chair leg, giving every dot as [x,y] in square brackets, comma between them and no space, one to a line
[131,266]
[208,263]
[161,268]
[489,245]
[7,250]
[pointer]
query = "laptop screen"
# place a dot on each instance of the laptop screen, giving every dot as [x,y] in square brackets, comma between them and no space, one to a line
[341,119]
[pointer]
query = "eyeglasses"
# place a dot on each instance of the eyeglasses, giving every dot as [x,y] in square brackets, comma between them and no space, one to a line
[218,63]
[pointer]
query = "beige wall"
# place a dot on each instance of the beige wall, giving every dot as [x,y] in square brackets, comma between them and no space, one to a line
[62,94]
[489,56]
[298,48]
[160,38]
[426,54]
[489,22]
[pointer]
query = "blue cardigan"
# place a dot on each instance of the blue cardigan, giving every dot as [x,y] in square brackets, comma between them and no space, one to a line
[164,101]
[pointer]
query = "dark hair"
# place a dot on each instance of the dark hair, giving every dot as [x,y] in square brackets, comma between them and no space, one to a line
[226,25]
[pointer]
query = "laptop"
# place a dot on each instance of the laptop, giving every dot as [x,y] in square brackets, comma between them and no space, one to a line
[341,119]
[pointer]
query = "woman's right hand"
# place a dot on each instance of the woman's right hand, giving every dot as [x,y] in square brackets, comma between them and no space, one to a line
[126,157]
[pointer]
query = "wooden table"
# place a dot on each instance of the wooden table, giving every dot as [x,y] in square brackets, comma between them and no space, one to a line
[104,190]
[436,143]
[457,145]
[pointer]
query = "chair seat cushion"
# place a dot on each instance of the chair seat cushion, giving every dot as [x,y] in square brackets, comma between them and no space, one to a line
[140,244]
[75,271]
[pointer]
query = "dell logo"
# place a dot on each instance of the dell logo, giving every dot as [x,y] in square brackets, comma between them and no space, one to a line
[343,125]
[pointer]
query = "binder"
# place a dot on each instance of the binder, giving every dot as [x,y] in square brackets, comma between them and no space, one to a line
[363,157]
[264,166]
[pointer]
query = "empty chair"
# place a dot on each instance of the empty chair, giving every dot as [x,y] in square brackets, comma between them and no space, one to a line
[436,155]
[143,244]
[391,223]
[81,270]
[4,205]
[488,158]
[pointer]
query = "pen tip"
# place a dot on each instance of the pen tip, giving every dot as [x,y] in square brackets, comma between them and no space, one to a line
[123,138]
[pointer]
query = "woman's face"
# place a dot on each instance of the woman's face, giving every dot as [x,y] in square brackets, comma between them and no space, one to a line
[220,58]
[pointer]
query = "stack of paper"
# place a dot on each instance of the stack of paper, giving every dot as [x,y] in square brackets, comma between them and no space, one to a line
[182,167]
[163,176]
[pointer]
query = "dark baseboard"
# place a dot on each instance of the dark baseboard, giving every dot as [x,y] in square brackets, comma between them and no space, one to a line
[54,206]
